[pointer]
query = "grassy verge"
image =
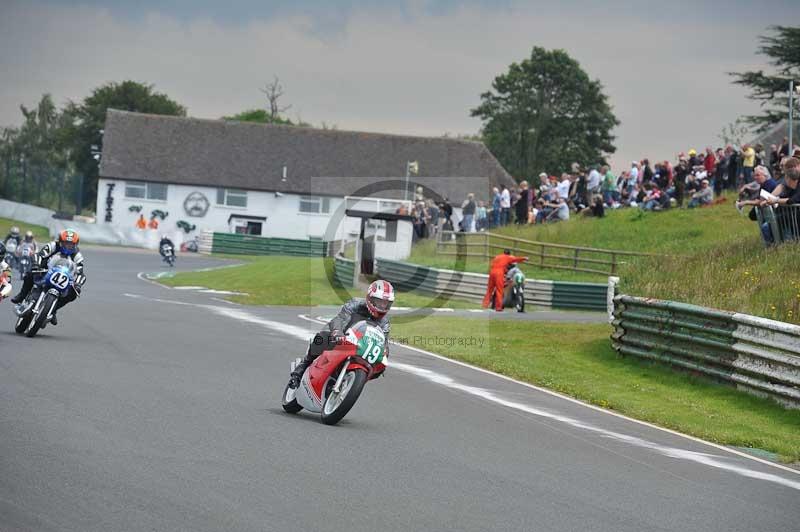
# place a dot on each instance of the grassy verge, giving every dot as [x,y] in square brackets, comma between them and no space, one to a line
[298,281]
[578,361]
[39,233]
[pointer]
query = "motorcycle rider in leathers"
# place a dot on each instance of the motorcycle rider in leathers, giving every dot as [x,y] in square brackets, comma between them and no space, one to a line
[165,241]
[13,234]
[67,246]
[380,296]
[5,282]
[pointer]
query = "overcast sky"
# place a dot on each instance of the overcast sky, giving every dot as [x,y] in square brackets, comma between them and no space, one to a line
[414,67]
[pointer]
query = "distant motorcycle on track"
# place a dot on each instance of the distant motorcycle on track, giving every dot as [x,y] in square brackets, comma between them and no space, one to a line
[50,284]
[332,384]
[10,257]
[168,254]
[25,254]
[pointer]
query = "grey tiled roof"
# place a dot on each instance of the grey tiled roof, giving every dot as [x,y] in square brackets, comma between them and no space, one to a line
[252,156]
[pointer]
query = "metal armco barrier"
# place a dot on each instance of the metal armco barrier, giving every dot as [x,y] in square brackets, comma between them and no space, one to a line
[782,222]
[256,245]
[343,271]
[755,354]
[472,286]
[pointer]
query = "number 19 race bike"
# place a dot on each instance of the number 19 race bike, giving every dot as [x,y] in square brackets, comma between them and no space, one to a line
[332,383]
[49,285]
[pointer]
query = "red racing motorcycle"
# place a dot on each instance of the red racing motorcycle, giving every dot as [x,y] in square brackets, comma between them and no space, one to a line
[332,383]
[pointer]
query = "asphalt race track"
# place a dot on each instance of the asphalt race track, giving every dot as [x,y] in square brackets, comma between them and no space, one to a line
[150,408]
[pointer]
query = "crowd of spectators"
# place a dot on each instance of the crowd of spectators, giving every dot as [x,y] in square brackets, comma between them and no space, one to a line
[697,179]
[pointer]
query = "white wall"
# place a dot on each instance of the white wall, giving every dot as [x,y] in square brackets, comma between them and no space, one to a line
[284,219]
[399,250]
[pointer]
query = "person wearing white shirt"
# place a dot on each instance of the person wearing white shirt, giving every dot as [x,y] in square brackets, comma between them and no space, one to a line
[634,173]
[505,206]
[593,183]
[563,187]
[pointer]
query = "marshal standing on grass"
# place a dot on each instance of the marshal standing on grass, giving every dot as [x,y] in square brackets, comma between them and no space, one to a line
[497,278]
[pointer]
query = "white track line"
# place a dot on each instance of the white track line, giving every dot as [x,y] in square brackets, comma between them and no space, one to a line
[593,407]
[443,380]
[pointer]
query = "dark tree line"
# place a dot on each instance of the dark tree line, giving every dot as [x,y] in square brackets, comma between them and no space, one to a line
[52,158]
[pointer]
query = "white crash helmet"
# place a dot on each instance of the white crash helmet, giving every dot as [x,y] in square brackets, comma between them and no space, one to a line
[380,296]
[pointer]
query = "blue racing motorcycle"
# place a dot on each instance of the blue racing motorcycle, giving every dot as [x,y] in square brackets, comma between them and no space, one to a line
[49,285]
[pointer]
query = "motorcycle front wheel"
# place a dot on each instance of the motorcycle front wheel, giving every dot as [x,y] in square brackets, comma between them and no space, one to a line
[41,319]
[22,323]
[289,402]
[338,404]
[520,302]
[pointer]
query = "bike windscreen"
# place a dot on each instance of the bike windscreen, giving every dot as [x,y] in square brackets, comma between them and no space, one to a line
[62,264]
[369,340]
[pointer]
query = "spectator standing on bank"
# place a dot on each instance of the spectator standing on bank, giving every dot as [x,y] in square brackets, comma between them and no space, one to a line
[496,209]
[468,212]
[710,162]
[647,172]
[609,186]
[681,173]
[446,211]
[505,206]
[592,184]
[733,166]
[481,220]
[748,163]
[521,206]
[433,215]
[720,172]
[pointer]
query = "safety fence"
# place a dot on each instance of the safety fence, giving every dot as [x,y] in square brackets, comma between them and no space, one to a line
[472,286]
[541,254]
[237,244]
[343,271]
[757,355]
[779,223]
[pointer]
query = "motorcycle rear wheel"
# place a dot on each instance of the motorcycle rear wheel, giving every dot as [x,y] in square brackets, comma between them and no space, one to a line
[289,402]
[337,405]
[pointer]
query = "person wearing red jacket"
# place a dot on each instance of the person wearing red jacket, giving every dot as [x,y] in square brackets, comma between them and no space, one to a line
[710,162]
[497,275]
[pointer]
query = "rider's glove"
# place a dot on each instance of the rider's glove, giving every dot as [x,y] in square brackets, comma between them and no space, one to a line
[80,279]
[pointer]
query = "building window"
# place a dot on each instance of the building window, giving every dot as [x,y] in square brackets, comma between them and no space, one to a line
[315,204]
[151,191]
[231,197]
[157,191]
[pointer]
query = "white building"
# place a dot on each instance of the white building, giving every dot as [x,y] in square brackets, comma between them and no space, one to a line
[193,175]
